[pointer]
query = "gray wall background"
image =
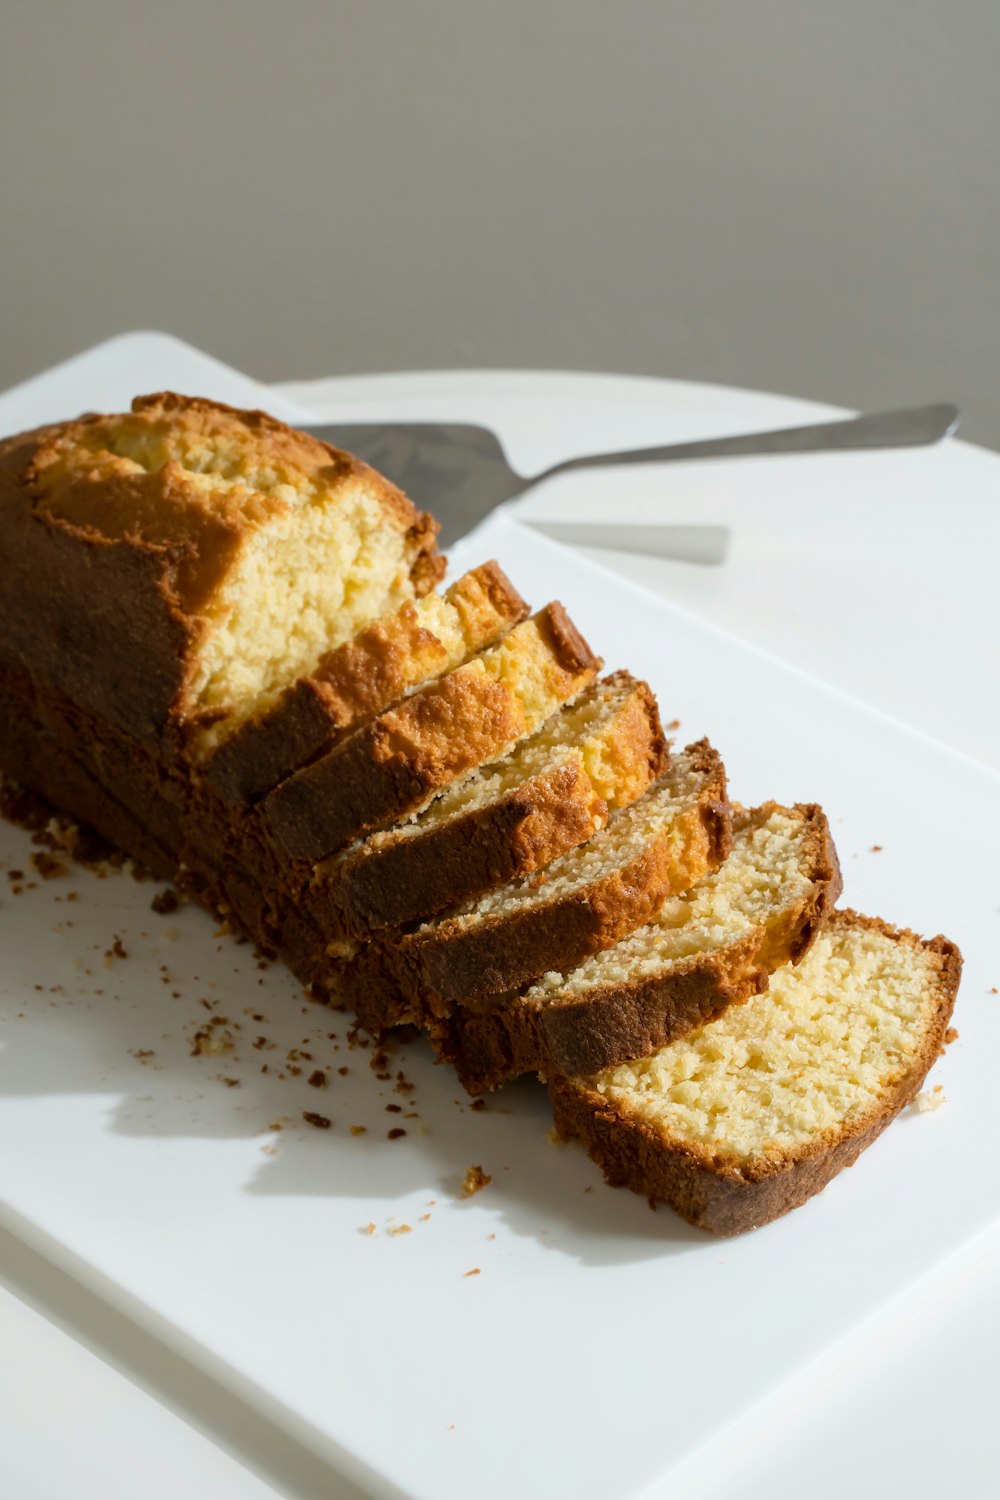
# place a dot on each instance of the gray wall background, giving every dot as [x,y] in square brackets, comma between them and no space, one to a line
[798,195]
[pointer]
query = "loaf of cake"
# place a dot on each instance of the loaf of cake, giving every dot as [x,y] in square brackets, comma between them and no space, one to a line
[223,647]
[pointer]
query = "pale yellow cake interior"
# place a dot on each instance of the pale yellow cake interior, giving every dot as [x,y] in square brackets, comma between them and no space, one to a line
[811,1055]
[586,731]
[660,813]
[765,876]
[317,561]
[525,663]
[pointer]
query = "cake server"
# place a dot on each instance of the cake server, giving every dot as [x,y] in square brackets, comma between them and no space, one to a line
[461,472]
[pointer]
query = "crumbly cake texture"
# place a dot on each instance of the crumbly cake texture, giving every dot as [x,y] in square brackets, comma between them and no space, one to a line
[510,818]
[581,903]
[704,951]
[195,557]
[358,680]
[750,1115]
[393,767]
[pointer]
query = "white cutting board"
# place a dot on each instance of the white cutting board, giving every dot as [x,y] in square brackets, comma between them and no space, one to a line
[600,1345]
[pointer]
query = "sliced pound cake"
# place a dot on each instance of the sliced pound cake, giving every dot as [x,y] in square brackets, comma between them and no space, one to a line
[702,952]
[392,767]
[510,818]
[583,901]
[361,678]
[196,557]
[750,1115]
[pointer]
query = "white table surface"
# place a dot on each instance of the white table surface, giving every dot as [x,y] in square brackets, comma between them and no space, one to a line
[91,1407]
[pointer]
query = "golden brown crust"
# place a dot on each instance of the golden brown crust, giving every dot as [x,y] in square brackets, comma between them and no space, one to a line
[457,961]
[131,556]
[399,877]
[353,683]
[727,1199]
[392,767]
[580,1034]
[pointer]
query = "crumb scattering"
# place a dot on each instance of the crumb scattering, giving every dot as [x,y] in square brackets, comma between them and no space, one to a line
[474,1181]
[930,1099]
[318,1122]
[400,1229]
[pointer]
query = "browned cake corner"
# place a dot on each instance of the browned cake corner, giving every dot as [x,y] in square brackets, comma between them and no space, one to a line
[514,816]
[583,902]
[806,1077]
[362,678]
[703,952]
[393,766]
[148,527]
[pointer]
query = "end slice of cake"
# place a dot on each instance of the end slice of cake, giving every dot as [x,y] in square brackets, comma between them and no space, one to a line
[750,1115]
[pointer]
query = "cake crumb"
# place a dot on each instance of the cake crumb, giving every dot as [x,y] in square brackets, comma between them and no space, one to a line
[343,1072]
[371,1228]
[876,849]
[400,1229]
[211,1042]
[930,1099]
[231,1083]
[474,1181]
[270,1150]
[478,1105]
[424,1218]
[317,1079]
[319,1122]
[359,1129]
[165,903]
[951,1035]
[474,1272]
[674,724]
[554,1138]
[394,1135]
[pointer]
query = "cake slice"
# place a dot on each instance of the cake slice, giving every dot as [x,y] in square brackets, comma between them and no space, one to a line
[582,902]
[360,679]
[395,765]
[197,557]
[510,818]
[753,1113]
[703,952]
